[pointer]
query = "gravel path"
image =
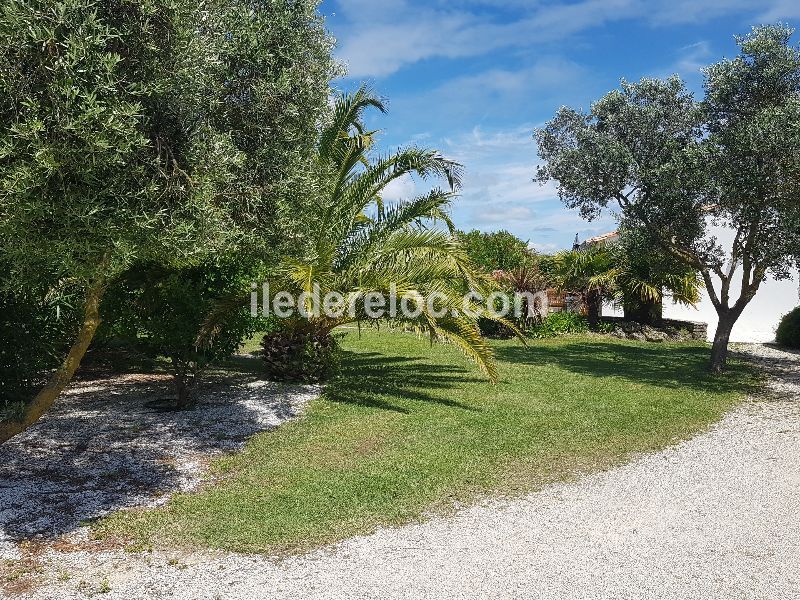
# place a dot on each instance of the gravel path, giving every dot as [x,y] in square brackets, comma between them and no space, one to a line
[102,448]
[715,517]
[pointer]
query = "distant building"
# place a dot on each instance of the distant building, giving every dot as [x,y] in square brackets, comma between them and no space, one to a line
[601,240]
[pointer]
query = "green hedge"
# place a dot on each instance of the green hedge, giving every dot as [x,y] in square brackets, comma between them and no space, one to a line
[788,333]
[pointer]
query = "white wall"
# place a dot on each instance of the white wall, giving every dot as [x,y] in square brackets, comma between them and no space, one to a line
[759,320]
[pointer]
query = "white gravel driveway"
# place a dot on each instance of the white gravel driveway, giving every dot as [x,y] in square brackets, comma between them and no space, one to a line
[715,517]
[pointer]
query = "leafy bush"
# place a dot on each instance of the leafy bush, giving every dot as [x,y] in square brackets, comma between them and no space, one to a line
[604,327]
[160,312]
[300,354]
[493,329]
[34,335]
[788,333]
[560,323]
[497,251]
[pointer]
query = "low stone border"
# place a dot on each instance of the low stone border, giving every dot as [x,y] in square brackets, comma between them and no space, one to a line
[670,330]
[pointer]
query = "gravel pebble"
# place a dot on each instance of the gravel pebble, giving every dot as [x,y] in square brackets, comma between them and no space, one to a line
[713,517]
[102,448]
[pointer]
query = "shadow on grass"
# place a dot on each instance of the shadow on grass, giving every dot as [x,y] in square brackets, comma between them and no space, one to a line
[668,366]
[368,379]
[242,364]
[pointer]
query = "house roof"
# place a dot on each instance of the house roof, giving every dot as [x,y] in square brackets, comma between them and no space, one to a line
[602,239]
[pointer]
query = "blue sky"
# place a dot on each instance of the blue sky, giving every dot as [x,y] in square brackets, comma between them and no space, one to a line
[474,78]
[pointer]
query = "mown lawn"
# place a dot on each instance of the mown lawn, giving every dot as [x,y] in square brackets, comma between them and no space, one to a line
[410,428]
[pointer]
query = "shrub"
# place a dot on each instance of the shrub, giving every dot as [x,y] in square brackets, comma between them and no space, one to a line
[34,334]
[560,323]
[497,251]
[605,328]
[160,312]
[788,333]
[297,354]
[493,329]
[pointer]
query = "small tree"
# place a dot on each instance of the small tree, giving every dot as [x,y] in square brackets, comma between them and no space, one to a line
[677,167]
[161,310]
[497,250]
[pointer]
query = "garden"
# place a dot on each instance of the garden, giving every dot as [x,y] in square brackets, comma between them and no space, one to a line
[216,334]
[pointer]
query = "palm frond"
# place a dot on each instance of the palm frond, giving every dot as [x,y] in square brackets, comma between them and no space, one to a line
[467,337]
[393,222]
[347,114]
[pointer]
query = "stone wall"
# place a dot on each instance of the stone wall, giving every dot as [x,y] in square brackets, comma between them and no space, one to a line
[670,330]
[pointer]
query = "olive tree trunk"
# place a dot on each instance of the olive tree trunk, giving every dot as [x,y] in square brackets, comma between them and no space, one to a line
[44,400]
[722,338]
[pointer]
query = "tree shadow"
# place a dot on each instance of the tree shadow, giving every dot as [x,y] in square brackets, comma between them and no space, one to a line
[243,364]
[783,364]
[663,365]
[368,379]
[783,349]
[100,449]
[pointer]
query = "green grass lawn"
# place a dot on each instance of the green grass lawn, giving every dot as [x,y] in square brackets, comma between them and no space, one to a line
[410,428]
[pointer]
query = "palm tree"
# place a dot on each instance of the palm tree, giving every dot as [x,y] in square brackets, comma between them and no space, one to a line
[638,283]
[639,286]
[529,280]
[590,271]
[355,244]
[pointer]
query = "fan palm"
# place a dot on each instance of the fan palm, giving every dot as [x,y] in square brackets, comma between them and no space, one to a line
[591,271]
[637,283]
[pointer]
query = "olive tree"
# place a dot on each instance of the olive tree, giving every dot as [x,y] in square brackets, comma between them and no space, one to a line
[126,131]
[682,169]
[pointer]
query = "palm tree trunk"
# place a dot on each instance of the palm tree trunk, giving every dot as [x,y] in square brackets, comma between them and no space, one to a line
[47,396]
[594,308]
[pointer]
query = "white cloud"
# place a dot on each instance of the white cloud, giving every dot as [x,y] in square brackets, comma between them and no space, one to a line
[781,10]
[382,37]
[694,58]
[546,248]
[499,191]
[380,42]
[672,12]
[495,94]
[404,188]
[546,75]
[500,215]
[688,64]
